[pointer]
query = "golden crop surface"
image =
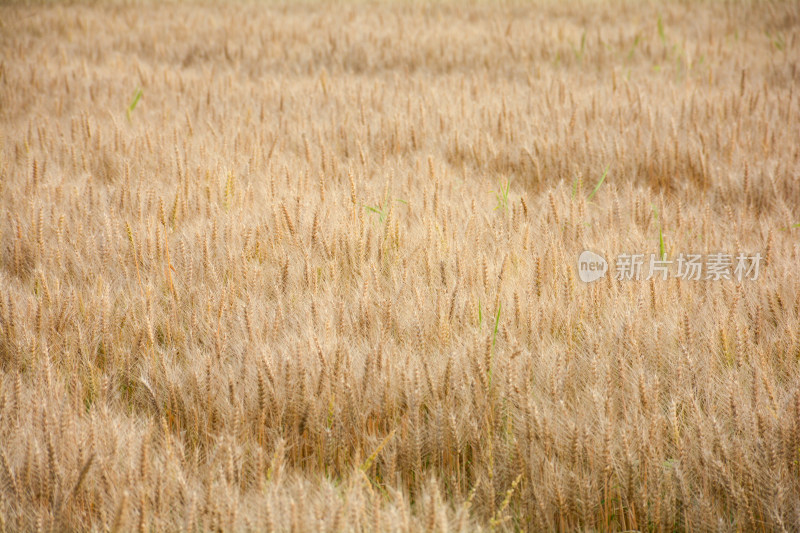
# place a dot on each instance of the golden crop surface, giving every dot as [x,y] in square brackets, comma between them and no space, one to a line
[314,266]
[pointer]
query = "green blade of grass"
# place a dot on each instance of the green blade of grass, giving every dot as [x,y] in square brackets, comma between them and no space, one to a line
[633,48]
[599,183]
[496,324]
[661,247]
[494,340]
[136,97]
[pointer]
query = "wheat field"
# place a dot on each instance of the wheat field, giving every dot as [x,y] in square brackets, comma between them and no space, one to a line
[313,266]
